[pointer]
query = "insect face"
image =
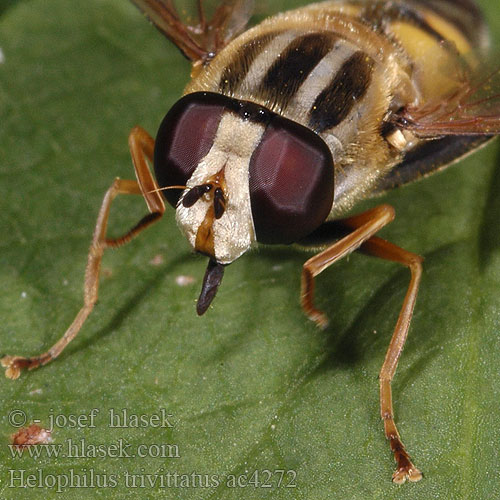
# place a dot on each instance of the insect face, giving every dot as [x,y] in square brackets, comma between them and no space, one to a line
[250,175]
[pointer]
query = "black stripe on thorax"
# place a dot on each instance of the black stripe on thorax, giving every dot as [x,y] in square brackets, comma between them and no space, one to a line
[338,98]
[236,71]
[292,67]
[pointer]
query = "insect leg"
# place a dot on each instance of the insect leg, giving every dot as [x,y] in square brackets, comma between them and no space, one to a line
[141,147]
[363,228]
[367,224]
[386,250]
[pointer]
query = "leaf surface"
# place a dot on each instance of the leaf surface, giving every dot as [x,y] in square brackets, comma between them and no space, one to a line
[252,385]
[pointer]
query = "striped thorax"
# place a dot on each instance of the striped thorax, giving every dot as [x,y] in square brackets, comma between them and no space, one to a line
[293,119]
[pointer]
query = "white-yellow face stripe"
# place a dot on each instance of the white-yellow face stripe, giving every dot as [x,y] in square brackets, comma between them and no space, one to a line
[234,143]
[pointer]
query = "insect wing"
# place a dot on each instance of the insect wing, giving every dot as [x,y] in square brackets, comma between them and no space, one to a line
[199,29]
[457,124]
[473,109]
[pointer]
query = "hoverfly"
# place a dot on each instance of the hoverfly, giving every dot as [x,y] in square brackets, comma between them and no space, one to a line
[284,127]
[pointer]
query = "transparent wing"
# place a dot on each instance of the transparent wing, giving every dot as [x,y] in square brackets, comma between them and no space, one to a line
[473,108]
[198,29]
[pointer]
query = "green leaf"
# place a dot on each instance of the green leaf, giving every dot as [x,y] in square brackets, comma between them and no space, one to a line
[252,385]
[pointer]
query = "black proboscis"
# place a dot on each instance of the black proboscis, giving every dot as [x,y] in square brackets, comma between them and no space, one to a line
[211,281]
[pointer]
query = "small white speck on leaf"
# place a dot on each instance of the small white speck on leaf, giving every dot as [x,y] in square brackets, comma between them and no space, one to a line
[157,260]
[183,280]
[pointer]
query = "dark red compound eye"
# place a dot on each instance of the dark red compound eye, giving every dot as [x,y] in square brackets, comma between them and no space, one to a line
[290,173]
[184,138]
[291,182]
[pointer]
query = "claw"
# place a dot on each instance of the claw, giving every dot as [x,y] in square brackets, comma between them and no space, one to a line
[405,468]
[319,317]
[402,474]
[14,365]
[12,369]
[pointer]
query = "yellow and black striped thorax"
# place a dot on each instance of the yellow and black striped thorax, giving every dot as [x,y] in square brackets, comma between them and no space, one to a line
[315,65]
[340,68]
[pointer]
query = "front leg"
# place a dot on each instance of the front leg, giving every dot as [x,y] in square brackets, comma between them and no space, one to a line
[363,228]
[366,225]
[141,147]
